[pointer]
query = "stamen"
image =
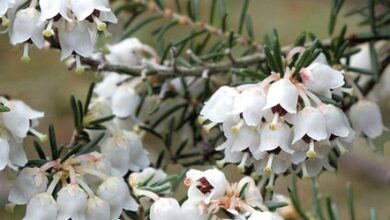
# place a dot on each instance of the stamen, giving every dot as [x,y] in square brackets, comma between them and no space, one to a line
[311,153]
[272,125]
[4,21]
[42,137]
[241,166]
[236,128]
[25,58]
[268,169]
[79,68]
[48,32]
[270,185]
[305,174]
[101,26]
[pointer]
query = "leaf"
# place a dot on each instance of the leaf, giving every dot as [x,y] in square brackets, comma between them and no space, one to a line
[160,159]
[371,16]
[131,30]
[88,98]
[374,61]
[86,148]
[212,12]
[275,205]
[336,6]
[249,27]
[39,150]
[102,120]
[295,200]
[243,14]
[351,208]
[75,111]
[53,143]
[277,53]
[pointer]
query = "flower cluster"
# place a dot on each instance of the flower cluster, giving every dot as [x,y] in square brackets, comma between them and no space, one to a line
[75,24]
[84,188]
[208,193]
[281,121]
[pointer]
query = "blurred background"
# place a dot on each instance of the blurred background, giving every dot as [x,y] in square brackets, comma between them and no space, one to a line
[46,84]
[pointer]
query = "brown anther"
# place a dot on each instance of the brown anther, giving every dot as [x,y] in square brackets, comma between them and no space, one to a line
[205,187]
[279,109]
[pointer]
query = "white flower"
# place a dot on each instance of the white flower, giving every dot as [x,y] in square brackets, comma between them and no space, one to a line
[76,37]
[72,203]
[116,193]
[41,207]
[5,5]
[125,101]
[220,104]
[109,85]
[193,211]
[125,151]
[282,97]
[250,103]
[30,182]
[97,209]
[310,123]
[205,185]
[166,209]
[27,26]
[366,118]
[252,195]
[321,78]
[239,135]
[127,52]
[50,9]
[334,118]
[85,8]
[19,119]
[257,215]
[14,126]
[275,135]
[277,163]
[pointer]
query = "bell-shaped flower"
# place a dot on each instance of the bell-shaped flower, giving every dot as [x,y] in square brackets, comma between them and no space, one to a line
[97,209]
[29,182]
[277,162]
[109,85]
[116,193]
[205,186]
[321,78]
[128,52]
[250,102]
[4,6]
[72,203]
[313,166]
[76,37]
[194,211]
[166,208]
[282,97]
[27,26]
[125,101]
[275,135]
[19,120]
[85,8]
[366,118]
[41,207]
[335,123]
[124,150]
[310,123]
[220,105]
[239,135]
[51,9]
[257,215]
[310,126]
